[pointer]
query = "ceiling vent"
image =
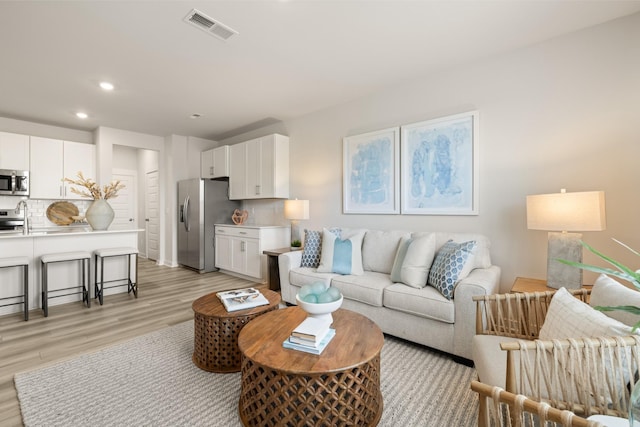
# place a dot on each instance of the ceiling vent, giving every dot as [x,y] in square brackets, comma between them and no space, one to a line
[209,25]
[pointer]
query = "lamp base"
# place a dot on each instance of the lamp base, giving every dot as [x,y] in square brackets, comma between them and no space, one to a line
[565,246]
[295,231]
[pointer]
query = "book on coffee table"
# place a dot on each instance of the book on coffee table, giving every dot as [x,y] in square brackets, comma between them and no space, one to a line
[241,299]
[309,348]
[312,328]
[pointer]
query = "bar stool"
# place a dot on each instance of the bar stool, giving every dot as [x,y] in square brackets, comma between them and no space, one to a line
[100,255]
[24,263]
[84,258]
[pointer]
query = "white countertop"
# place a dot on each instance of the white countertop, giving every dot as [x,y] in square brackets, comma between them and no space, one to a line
[75,231]
[251,226]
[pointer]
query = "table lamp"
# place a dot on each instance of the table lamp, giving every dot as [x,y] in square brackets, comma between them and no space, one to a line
[296,210]
[562,214]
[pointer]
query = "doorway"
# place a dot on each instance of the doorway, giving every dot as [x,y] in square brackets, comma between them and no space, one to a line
[152,219]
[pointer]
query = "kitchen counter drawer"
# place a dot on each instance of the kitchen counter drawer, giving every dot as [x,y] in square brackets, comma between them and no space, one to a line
[237,231]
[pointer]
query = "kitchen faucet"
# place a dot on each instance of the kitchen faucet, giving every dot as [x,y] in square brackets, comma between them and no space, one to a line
[23,203]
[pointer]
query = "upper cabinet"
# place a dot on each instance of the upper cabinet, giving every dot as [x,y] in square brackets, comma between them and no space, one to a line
[52,160]
[259,168]
[215,163]
[14,151]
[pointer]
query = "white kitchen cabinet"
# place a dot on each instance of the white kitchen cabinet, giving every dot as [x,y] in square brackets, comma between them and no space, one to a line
[259,168]
[52,160]
[14,151]
[214,163]
[239,248]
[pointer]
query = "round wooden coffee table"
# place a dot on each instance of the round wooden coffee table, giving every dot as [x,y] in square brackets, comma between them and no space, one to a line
[215,346]
[280,386]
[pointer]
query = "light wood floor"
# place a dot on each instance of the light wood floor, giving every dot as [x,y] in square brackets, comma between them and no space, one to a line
[165,298]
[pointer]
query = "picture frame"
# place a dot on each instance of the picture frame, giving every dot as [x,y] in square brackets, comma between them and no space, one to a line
[371,172]
[439,162]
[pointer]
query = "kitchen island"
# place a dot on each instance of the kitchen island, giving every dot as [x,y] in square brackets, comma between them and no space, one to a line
[54,240]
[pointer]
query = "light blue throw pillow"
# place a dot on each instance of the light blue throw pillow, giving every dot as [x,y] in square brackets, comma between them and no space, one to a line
[313,247]
[341,256]
[453,263]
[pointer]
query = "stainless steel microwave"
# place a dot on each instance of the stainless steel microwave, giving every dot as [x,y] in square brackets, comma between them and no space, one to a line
[14,182]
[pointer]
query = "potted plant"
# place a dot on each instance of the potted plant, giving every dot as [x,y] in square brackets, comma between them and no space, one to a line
[296,245]
[622,272]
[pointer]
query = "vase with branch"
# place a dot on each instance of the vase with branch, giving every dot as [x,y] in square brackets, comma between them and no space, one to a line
[100,214]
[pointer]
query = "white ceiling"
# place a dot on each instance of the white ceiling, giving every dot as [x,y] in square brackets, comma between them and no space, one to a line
[290,58]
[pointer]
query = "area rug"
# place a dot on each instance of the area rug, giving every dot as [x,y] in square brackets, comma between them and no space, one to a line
[151,381]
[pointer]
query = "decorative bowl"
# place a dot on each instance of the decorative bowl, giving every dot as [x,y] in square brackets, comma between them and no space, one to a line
[321,310]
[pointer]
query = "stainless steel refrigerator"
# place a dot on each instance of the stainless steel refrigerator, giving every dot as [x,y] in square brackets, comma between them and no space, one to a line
[201,204]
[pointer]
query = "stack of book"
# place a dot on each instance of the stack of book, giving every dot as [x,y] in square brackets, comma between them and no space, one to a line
[311,336]
[241,299]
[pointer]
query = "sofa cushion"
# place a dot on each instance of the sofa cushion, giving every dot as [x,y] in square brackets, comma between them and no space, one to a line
[313,247]
[379,249]
[342,256]
[367,288]
[424,302]
[417,261]
[453,263]
[305,276]
[608,292]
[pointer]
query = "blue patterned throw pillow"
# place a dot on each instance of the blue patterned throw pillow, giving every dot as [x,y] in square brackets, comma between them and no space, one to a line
[313,247]
[452,264]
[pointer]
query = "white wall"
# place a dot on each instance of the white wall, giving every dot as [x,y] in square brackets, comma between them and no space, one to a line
[561,114]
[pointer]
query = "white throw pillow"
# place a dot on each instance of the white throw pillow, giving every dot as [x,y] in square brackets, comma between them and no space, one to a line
[401,253]
[608,292]
[341,255]
[568,317]
[417,261]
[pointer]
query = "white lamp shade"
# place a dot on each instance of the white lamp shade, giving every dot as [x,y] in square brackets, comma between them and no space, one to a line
[296,209]
[582,211]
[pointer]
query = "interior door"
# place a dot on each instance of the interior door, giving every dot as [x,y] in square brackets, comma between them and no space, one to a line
[152,216]
[124,206]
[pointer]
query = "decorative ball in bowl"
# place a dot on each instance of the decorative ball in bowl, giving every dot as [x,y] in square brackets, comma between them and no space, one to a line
[319,301]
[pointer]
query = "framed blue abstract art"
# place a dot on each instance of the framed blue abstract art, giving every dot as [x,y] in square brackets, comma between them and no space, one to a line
[440,166]
[371,178]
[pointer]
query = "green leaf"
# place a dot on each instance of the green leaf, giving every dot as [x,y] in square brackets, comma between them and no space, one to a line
[613,262]
[628,308]
[625,246]
[620,274]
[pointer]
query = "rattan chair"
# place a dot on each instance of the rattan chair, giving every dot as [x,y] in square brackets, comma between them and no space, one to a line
[584,375]
[500,408]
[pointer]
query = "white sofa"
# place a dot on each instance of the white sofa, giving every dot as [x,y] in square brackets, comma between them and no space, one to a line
[422,315]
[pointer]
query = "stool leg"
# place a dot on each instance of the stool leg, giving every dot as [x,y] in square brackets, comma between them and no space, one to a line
[135,284]
[101,298]
[26,292]
[45,290]
[86,282]
[95,276]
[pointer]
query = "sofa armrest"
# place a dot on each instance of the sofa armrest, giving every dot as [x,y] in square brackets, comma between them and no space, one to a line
[286,262]
[481,281]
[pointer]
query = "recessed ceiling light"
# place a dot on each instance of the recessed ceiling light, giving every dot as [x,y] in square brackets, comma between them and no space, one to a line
[81,115]
[106,85]
[195,116]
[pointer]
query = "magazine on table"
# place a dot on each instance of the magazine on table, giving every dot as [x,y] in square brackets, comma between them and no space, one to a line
[241,299]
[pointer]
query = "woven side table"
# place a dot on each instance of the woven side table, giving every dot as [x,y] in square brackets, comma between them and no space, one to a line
[215,346]
[340,387]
